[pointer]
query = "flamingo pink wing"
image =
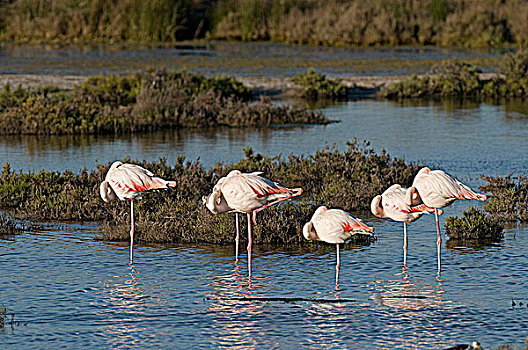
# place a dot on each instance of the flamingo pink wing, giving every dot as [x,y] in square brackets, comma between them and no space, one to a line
[129,179]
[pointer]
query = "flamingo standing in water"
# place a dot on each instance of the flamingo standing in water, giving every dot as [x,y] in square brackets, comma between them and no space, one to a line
[129,181]
[246,193]
[334,226]
[437,189]
[391,204]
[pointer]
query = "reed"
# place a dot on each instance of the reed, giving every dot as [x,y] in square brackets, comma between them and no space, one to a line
[101,20]
[333,22]
[377,22]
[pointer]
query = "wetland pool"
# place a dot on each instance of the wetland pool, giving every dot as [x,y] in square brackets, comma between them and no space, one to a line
[69,291]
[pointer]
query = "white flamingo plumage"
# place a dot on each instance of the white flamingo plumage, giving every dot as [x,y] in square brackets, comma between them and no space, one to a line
[246,193]
[437,189]
[334,226]
[391,204]
[129,181]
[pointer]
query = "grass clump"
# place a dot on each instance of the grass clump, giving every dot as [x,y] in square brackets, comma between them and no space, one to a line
[474,224]
[142,102]
[344,179]
[316,86]
[455,78]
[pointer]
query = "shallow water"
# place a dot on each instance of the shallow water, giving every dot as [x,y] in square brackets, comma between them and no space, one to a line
[69,291]
[239,59]
[463,138]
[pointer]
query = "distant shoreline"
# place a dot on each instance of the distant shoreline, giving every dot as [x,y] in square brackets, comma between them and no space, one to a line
[360,86]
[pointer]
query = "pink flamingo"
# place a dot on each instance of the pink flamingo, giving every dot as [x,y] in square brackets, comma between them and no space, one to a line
[391,204]
[334,226]
[246,193]
[437,189]
[129,181]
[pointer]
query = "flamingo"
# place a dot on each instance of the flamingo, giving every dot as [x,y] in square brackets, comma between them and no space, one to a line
[130,181]
[437,189]
[391,204]
[334,226]
[246,193]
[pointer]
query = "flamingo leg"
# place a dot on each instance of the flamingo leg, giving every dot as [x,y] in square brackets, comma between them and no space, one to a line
[132,230]
[438,242]
[237,239]
[250,243]
[338,265]
[405,244]
[270,204]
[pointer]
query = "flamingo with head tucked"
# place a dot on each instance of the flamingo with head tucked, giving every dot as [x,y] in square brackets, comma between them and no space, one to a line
[334,226]
[437,189]
[247,193]
[129,181]
[391,204]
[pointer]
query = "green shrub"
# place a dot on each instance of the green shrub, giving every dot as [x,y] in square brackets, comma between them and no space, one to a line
[474,224]
[347,180]
[315,86]
[509,198]
[142,102]
[454,78]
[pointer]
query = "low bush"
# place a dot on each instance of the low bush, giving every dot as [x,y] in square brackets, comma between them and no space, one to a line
[455,78]
[474,224]
[142,102]
[316,86]
[343,179]
[509,198]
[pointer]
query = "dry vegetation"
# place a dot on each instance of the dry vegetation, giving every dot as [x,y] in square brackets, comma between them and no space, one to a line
[378,22]
[333,22]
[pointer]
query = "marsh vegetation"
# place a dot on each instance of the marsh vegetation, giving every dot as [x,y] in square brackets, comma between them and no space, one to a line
[460,79]
[151,101]
[378,22]
[330,177]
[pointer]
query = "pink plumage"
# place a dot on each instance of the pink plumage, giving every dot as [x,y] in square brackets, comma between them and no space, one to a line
[437,189]
[246,193]
[334,226]
[391,204]
[128,181]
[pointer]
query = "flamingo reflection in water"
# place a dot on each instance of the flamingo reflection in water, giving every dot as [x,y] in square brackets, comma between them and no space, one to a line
[130,181]
[437,189]
[391,204]
[334,226]
[246,193]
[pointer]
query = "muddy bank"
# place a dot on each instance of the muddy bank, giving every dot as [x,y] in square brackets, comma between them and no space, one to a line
[360,86]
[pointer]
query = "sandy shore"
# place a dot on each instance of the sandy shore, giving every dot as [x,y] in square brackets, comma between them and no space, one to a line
[360,86]
[269,86]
